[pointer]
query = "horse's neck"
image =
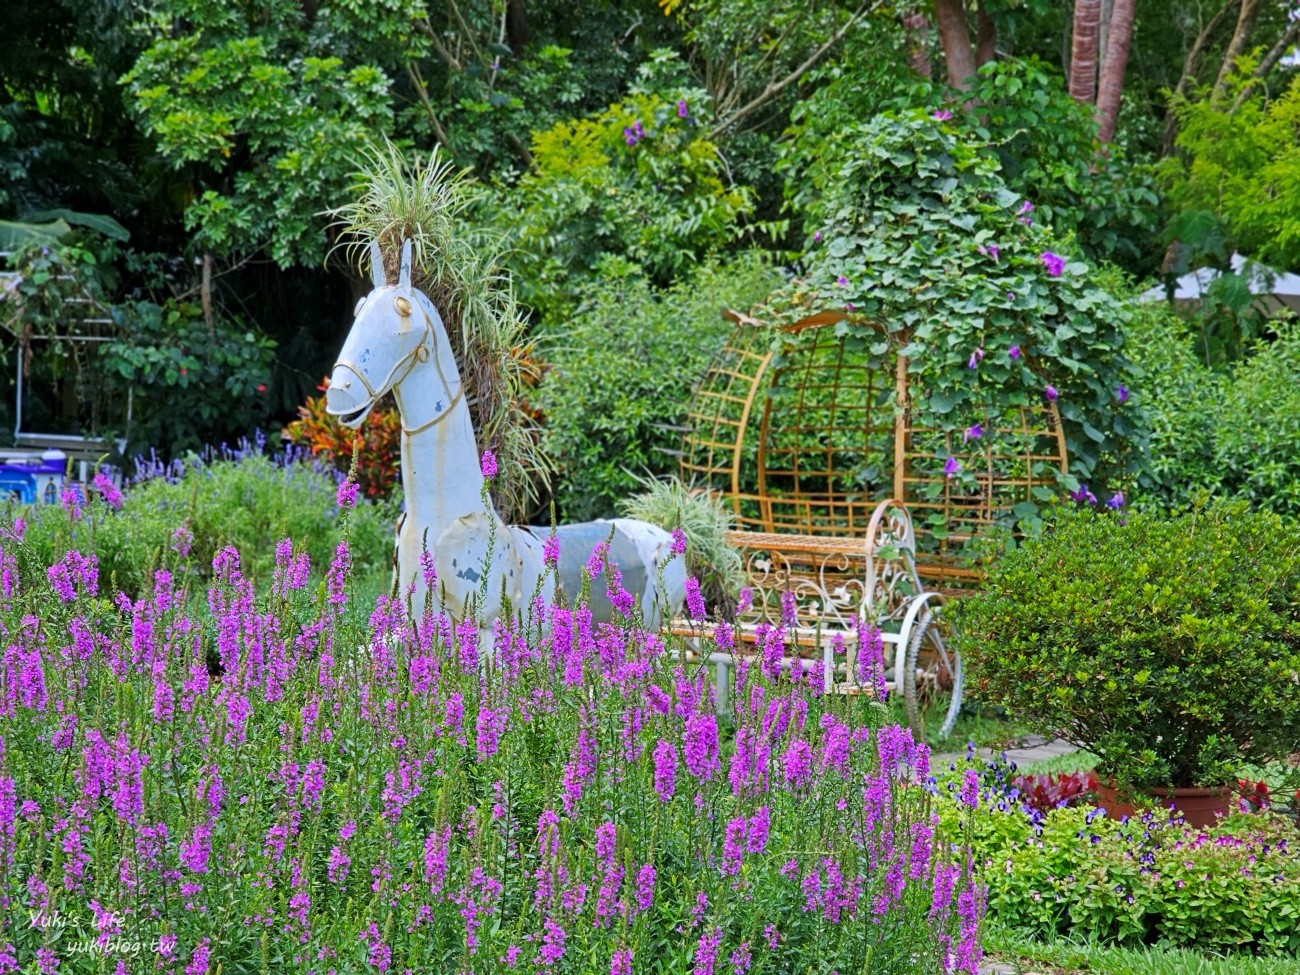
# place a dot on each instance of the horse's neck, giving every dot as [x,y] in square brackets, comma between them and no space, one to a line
[441,477]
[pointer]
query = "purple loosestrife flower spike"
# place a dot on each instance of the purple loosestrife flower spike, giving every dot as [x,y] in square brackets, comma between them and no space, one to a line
[951,466]
[679,542]
[347,494]
[1050,392]
[694,600]
[489,464]
[108,491]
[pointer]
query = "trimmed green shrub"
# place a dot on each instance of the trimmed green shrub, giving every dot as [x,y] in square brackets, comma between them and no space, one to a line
[622,374]
[1169,647]
[252,503]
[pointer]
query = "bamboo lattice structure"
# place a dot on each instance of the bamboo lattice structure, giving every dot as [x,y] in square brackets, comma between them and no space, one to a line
[806,436]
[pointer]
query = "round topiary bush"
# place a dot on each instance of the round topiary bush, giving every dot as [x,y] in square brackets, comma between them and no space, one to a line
[1170,647]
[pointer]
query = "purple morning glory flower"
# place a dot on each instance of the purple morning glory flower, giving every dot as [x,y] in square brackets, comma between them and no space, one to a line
[973,432]
[1026,207]
[842,281]
[1050,392]
[817,237]
[1116,502]
[976,358]
[1014,352]
[943,115]
[951,466]
[1054,263]
[850,306]
[629,136]
[1083,495]
[1121,394]
[682,111]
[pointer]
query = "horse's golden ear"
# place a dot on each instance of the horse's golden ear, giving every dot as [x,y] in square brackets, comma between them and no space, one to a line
[402,306]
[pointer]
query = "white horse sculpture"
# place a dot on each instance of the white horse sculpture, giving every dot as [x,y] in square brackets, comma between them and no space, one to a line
[398,342]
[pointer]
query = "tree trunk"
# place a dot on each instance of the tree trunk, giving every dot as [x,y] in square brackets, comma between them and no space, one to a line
[1083,50]
[517,32]
[915,29]
[1190,64]
[986,37]
[1237,46]
[1111,83]
[954,34]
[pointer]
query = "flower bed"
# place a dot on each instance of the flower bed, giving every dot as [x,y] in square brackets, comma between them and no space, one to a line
[1072,871]
[277,782]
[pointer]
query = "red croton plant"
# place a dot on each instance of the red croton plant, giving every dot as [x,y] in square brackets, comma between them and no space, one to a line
[329,440]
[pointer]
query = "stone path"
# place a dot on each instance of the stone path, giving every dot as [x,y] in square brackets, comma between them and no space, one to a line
[1032,748]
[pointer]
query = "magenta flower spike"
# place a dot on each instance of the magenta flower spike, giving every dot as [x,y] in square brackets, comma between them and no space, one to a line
[489,464]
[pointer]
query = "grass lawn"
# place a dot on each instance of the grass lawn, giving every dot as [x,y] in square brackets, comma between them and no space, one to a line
[1021,956]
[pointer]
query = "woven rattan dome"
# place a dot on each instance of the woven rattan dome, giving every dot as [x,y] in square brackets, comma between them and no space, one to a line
[806,427]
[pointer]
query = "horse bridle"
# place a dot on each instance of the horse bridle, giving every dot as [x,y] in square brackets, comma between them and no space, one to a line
[427,346]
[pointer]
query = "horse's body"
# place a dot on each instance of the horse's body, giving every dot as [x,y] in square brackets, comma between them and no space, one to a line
[398,342]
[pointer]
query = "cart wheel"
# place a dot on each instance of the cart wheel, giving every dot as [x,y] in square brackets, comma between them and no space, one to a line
[932,677]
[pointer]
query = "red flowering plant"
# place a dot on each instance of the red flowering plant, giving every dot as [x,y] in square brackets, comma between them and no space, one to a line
[378,442]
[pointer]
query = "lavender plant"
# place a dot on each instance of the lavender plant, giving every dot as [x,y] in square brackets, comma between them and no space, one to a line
[278,783]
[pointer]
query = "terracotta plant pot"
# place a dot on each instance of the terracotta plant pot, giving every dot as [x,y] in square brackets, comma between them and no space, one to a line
[1200,807]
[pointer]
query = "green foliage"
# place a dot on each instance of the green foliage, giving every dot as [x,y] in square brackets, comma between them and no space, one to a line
[705,519]
[1183,401]
[252,502]
[660,199]
[622,374]
[1017,110]
[1240,162]
[190,384]
[916,229]
[1234,433]
[1257,429]
[1165,646]
[267,129]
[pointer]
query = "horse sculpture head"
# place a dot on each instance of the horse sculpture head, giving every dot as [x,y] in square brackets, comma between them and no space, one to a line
[393,332]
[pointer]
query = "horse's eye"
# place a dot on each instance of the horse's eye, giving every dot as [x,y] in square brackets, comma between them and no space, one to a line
[357,311]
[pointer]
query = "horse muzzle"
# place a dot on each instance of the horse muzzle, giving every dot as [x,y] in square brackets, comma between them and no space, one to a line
[347,397]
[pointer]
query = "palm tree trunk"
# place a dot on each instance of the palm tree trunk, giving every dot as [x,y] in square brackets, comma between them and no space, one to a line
[1111,83]
[954,34]
[1083,50]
